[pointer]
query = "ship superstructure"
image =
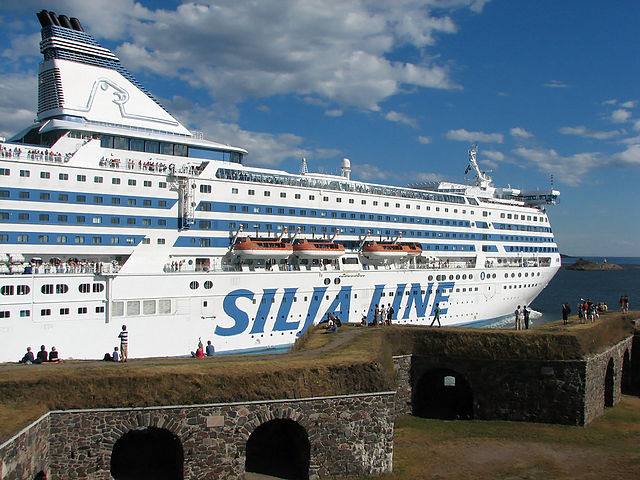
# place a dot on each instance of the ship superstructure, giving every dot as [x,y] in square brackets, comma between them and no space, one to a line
[113,213]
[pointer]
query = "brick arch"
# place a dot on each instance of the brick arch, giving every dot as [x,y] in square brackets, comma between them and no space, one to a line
[269,412]
[442,392]
[609,383]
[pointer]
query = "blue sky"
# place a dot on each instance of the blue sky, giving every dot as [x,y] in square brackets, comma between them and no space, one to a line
[402,88]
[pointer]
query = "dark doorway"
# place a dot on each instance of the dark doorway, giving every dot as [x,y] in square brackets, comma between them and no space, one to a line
[150,453]
[609,382]
[443,394]
[279,448]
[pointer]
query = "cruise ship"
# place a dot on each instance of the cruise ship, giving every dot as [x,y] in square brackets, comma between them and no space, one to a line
[113,213]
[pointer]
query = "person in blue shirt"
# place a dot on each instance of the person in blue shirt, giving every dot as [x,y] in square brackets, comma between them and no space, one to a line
[210,350]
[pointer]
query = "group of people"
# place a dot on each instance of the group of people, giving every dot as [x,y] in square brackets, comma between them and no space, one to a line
[201,352]
[381,315]
[522,318]
[123,354]
[332,322]
[33,154]
[589,311]
[41,357]
[624,303]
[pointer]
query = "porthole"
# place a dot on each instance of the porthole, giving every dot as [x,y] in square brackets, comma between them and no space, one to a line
[327,281]
[208,284]
[457,277]
[430,278]
[194,285]
[336,281]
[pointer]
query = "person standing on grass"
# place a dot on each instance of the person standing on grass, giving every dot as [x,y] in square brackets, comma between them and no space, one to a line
[517,314]
[124,344]
[525,315]
[566,310]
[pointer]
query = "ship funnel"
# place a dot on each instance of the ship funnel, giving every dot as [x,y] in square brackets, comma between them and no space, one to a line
[45,19]
[64,21]
[54,19]
[76,25]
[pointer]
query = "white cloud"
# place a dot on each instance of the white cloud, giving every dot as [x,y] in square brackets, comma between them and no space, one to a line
[629,104]
[17,102]
[401,118]
[337,51]
[463,135]
[334,113]
[583,132]
[556,84]
[629,157]
[520,132]
[620,115]
[493,155]
[571,170]
[424,139]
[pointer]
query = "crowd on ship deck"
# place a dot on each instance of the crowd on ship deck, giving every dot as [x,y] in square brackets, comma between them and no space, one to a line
[36,266]
[33,154]
[150,166]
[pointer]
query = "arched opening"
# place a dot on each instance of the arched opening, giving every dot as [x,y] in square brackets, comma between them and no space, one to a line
[627,376]
[40,476]
[279,448]
[149,453]
[609,382]
[444,394]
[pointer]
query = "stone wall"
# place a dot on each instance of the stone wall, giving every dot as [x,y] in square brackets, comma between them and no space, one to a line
[563,392]
[348,435]
[26,454]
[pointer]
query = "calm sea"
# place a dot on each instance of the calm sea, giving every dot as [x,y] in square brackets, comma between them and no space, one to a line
[600,286]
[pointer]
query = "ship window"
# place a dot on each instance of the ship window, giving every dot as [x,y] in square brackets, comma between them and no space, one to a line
[25,313]
[136,144]
[145,241]
[146,221]
[5,193]
[61,239]
[25,173]
[164,307]
[162,184]
[100,309]
[6,290]
[23,290]
[97,179]
[45,175]
[62,288]
[162,203]
[63,176]
[297,196]
[43,238]
[63,197]
[97,240]
[82,310]
[81,198]
[115,181]
[131,202]
[47,289]
[204,242]
[45,312]
[283,195]
[151,146]
[131,182]
[147,183]
[98,200]
[133,307]
[180,150]
[160,241]
[312,197]
[166,148]
[149,307]
[208,284]
[45,196]
[115,240]
[43,217]
[194,285]
[117,309]
[81,178]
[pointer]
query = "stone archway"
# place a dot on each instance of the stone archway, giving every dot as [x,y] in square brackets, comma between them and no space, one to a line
[279,448]
[609,384]
[444,394]
[148,453]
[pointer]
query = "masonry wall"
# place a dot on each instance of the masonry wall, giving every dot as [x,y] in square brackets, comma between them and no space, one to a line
[349,435]
[563,392]
[26,454]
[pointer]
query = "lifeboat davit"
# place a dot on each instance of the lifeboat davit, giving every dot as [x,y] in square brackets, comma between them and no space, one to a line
[312,249]
[381,250]
[248,248]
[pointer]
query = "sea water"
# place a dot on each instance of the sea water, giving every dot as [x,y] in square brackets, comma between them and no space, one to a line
[571,285]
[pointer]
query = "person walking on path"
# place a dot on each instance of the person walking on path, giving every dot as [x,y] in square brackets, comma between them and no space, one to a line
[436,311]
[124,344]
[566,310]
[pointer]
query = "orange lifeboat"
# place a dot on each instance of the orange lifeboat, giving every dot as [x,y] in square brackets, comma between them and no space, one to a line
[312,249]
[248,248]
[382,250]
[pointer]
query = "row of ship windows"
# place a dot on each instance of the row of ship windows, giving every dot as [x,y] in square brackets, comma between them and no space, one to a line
[118,309]
[82,219]
[47,312]
[50,289]
[44,174]
[262,227]
[77,239]
[82,198]
[298,196]
[261,209]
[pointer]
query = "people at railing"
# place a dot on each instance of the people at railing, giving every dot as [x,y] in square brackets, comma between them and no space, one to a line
[33,154]
[62,267]
[151,166]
